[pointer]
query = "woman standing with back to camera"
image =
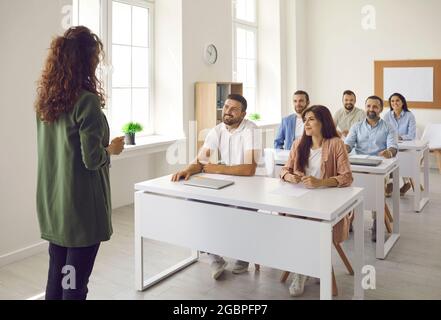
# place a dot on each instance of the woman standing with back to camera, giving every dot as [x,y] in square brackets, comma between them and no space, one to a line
[73,189]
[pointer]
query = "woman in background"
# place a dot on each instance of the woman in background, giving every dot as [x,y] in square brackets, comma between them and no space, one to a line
[404,123]
[73,189]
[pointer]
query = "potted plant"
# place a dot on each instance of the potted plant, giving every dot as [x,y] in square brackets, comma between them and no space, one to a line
[130,129]
[255,117]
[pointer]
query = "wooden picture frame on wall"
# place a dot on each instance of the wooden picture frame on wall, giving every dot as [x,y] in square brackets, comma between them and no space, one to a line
[380,67]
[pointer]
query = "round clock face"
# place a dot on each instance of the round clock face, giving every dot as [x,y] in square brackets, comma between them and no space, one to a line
[211,54]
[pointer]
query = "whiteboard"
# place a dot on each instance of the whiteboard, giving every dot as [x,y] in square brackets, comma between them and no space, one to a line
[416,84]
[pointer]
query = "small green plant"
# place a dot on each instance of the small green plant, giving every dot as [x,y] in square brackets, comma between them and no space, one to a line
[132,127]
[255,117]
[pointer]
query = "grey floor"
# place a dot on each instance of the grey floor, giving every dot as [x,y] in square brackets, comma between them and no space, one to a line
[411,271]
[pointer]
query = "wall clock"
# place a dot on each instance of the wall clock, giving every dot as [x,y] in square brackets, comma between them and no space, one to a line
[211,54]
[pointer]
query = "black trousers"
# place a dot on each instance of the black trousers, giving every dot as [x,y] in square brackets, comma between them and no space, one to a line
[69,272]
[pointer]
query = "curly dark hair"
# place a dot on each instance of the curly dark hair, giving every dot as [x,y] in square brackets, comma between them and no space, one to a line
[70,68]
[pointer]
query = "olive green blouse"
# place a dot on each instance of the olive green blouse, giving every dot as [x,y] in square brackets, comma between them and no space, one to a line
[73,188]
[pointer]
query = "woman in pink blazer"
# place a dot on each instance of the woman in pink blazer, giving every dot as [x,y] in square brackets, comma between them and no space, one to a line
[319,160]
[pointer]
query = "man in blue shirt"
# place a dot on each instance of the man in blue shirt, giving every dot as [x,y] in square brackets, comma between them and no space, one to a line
[292,128]
[374,137]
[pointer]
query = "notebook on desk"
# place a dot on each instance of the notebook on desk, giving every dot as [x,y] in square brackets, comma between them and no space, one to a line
[208,183]
[365,161]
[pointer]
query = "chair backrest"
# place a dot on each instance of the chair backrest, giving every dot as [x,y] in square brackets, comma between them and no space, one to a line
[432,134]
[418,133]
[267,164]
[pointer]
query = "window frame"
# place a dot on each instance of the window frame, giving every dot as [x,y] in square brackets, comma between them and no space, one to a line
[106,18]
[253,27]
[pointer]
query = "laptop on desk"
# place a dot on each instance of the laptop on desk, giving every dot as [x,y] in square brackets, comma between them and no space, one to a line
[365,161]
[208,183]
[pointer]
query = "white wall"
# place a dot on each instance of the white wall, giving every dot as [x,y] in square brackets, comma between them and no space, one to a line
[26,28]
[340,54]
[334,52]
[168,67]
[271,62]
[205,22]
[296,51]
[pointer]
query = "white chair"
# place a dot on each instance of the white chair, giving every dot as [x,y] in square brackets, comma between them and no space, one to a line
[267,164]
[418,133]
[432,134]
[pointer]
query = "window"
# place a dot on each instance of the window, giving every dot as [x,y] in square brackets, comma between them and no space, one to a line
[245,48]
[130,54]
[125,26]
[87,13]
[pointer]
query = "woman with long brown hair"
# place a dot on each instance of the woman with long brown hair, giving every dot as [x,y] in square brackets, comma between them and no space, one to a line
[73,189]
[319,160]
[403,121]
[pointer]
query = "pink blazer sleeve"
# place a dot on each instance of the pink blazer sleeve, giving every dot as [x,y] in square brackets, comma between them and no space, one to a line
[290,166]
[344,172]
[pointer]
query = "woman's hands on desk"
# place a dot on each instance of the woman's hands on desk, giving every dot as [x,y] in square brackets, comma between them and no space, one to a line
[312,182]
[292,178]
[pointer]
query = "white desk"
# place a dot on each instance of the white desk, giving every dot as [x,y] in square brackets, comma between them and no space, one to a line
[225,222]
[372,180]
[409,157]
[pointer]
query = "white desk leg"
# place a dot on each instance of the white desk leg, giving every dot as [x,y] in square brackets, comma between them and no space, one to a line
[384,247]
[425,193]
[195,254]
[426,172]
[396,201]
[417,180]
[142,284]
[379,208]
[325,261]
[139,247]
[139,264]
[359,251]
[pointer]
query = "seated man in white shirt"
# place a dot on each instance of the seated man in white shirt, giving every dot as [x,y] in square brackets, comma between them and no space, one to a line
[231,148]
